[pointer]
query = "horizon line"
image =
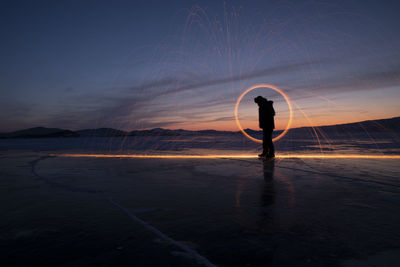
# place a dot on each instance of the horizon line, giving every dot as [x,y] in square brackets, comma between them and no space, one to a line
[147,129]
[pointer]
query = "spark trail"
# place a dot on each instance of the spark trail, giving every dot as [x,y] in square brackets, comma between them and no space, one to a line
[249,156]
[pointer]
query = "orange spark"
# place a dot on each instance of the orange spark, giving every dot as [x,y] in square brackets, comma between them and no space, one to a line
[230,156]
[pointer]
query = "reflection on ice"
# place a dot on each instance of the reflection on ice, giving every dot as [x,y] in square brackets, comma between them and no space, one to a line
[237,211]
[268,192]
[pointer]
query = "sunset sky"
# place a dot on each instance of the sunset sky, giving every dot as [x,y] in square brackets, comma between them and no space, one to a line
[182,64]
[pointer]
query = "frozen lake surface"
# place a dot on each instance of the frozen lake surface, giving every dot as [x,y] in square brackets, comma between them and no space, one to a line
[205,144]
[196,212]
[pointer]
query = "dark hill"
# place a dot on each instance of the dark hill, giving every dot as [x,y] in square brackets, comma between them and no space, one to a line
[364,129]
[102,132]
[372,128]
[39,132]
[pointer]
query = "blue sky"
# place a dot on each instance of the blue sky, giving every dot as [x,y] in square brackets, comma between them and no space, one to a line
[182,64]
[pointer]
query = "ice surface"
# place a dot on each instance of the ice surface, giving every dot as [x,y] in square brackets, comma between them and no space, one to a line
[202,144]
[190,212]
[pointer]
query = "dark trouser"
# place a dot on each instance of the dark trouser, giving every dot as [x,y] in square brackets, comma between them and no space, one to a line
[268,146]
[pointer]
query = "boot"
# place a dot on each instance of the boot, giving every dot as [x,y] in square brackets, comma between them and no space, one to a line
[262,155]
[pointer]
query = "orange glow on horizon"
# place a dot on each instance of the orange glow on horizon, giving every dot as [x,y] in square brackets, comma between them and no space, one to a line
[231,156]
[297,122]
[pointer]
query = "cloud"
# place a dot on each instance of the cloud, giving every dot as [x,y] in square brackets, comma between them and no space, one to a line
[352,81]
[160,103]
[158,124]
[182,85]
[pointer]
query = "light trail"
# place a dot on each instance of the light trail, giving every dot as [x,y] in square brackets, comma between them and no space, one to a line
[241,156]
[311,125]
[276,89]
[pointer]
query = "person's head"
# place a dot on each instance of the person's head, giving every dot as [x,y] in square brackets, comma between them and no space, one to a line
[259,100]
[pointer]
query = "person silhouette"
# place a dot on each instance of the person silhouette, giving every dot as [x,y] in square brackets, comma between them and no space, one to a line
[266,115]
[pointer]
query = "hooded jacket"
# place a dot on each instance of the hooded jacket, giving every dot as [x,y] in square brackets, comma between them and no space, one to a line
[266,115]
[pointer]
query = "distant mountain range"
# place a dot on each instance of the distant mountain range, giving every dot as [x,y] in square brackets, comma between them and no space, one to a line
[389,126]
[40,132]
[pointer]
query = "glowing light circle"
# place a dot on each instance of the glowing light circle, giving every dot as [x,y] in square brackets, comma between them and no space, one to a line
[276,89]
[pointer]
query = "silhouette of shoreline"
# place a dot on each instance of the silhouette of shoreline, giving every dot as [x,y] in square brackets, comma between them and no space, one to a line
[390,126]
